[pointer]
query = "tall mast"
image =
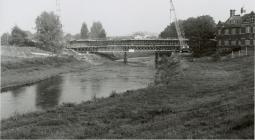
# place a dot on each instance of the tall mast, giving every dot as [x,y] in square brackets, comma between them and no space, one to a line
[177,26]
[58,9]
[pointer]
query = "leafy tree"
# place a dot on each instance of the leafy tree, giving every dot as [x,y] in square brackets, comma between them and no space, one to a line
[202,27]
[18,36]
[29,35]
[49,31]
[5,39]
[97,31]
[170,30]
[84,31]
[68,37]
[200,32]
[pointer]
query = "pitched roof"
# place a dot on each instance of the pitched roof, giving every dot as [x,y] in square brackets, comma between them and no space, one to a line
[236,19]
[246,17]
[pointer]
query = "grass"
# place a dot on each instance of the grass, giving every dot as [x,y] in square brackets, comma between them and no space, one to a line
[189,100]
[30,62]
[24,71]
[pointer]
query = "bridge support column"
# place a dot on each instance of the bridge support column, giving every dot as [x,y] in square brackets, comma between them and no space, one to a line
[125,57]
[156,59]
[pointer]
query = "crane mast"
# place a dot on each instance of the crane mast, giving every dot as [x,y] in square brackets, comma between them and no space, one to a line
[58,9]
[180,35]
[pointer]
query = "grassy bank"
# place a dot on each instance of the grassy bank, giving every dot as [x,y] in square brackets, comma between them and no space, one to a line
[17,72]
[189,100]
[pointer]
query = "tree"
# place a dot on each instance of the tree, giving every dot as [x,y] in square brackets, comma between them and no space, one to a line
[84,31]
[68,37]
[5,39]
[200,32]
[202,27]
[49,32]
[18,36]
[170,30]
[97,31]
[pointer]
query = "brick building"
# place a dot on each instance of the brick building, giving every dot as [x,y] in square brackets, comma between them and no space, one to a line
[237,32]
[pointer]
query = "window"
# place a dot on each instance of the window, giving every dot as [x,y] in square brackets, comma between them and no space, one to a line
[233,43]
[240,43]
[254,42]
[243,30]
[247,42]
[226,42]
[252,19]
[219,43]
[253,29]
[238,30]
[219,32]
[248,29]
[226,32]
[233,31]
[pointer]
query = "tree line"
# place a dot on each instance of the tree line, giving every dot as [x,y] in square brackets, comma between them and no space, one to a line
[49,34]
[96,32]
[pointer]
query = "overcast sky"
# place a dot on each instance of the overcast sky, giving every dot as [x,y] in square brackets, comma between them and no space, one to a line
[119,17]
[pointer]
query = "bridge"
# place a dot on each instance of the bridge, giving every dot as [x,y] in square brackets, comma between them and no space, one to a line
[159,46]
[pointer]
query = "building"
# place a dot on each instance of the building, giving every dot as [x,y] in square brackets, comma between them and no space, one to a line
[237,32]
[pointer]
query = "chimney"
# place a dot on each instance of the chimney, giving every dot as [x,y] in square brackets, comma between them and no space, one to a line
[243,11]
[232,12]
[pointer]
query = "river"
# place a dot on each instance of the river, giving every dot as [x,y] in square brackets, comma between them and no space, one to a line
[98,81]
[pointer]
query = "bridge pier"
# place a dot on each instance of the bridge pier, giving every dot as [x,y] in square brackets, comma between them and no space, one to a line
[125,57]
[156,58]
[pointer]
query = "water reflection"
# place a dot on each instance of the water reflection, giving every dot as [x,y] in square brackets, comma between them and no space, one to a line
[95,88]
[48,92]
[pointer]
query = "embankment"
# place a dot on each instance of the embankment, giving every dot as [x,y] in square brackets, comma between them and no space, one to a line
[21,66]
[189,100]
[30,70]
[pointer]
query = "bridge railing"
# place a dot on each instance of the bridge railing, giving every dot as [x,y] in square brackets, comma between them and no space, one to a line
[124,43]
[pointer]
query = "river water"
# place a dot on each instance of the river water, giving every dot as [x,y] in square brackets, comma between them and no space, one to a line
[76,87]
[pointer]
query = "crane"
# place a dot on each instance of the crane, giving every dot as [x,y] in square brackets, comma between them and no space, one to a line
[180,34]
[58,9]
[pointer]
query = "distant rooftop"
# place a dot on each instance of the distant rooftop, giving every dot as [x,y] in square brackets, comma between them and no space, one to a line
[237,20]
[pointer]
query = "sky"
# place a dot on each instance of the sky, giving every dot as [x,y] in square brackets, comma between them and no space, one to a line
[119,17]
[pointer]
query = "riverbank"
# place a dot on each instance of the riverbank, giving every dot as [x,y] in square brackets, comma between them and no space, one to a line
[17,72]
[30,70]
[189,100]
